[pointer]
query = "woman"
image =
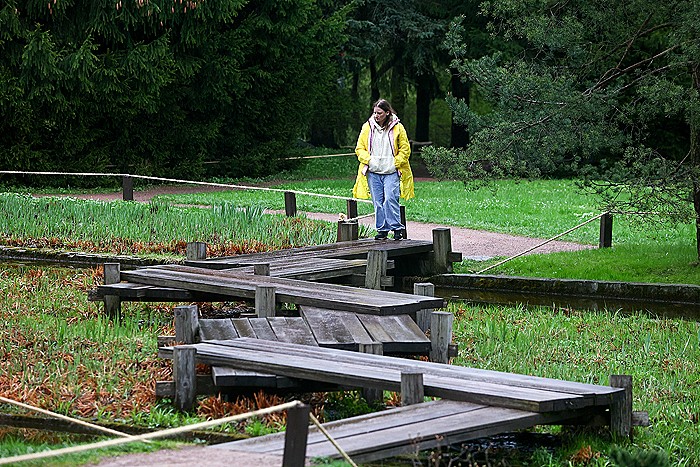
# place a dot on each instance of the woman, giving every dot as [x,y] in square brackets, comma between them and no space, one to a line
[384,173]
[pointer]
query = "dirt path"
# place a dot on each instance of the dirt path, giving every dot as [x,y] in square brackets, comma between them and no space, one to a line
[473,244]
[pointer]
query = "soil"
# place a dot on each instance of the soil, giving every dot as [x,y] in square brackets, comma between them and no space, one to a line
[473,244]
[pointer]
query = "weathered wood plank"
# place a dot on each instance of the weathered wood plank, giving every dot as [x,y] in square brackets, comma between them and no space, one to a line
[262,329]
[342,250]
[360,374]
[335,329]
[216,329]
[224,376]
[243,327]
[287,290]
[399,334]
[603,395]
[292,330]
[404,430]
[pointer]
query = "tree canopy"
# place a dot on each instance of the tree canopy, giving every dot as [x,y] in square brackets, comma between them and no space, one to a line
[610,90]
[157,87]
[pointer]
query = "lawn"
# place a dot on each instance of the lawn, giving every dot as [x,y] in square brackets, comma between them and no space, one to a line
[54,340]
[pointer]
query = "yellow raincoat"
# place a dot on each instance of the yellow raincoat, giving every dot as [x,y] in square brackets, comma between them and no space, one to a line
[402,151]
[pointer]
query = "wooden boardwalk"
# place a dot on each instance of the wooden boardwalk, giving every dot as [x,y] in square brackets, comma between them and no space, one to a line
[405,430]
[475,402]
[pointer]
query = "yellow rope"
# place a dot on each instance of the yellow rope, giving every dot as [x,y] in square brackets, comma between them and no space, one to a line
[157,434]
[331,440]
[175,180]
[63,417]
[543,243]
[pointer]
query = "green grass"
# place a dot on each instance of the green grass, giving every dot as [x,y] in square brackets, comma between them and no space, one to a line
[662,355]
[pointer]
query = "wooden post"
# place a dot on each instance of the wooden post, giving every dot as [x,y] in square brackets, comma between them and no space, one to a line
[196,251]
[290,203]
[402,213]
[376,268]
[606,225]
[185,376]
[621,410]
[113,303]
[186,324]
[425,289]
[351,208]
[347,231]
[440,336]
[442,247]
[371,395]
[265,301]
[127,188]
[296,436]
[261,269]
[412,391]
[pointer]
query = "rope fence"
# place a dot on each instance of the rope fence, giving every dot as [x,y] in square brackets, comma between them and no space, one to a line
[126,438]
[193,182]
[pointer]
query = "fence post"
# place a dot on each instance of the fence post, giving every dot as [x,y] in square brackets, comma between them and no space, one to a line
[127,188]
[296,436]
[196,251]
[371,395]
[185,376]
[352,208]
[425,289]
[606,225]
[347,231]
[265,301]
[621,411]
[261,269]
[290,203]
[113,303]
[186,324]
[442,247]
[412,390]
[440,336]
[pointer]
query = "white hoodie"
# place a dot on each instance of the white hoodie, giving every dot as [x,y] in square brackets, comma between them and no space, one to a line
[381,147]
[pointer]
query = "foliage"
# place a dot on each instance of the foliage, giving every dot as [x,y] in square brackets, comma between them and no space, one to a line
[623,458]
[155,87]
[609,90]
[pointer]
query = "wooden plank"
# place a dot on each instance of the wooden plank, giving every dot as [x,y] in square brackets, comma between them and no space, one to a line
[343,250]
[402,431]
[216,329]
[335,329]
[288,290]
[262,329]
[402,334]
[360,374]
[603,395]
[224,376]
[243,327]
[292,330]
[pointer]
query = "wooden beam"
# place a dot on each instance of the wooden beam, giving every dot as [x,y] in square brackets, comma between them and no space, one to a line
[372,396]
[425,289]
[440,336]
[196,251]
[290,203]
[376,269]
[185,376]
[296,436]
[621,409]
[113,304]
[186,324]
[265,301]
[412,390]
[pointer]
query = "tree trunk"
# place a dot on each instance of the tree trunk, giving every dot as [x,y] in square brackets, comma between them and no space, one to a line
[695,158]
[460,134]
[373,81]
[398,88]
[423,100]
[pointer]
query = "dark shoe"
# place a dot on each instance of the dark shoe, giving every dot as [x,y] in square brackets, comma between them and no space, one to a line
[381,236]
[398,235]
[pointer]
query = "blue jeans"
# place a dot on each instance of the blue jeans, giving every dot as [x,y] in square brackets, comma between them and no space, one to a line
[385,190]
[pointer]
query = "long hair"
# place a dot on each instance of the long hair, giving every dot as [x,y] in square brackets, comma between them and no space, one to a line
[386,107]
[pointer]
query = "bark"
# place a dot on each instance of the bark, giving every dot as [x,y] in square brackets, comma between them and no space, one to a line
[423,100]
[398,89]
[460,90]
[374,81]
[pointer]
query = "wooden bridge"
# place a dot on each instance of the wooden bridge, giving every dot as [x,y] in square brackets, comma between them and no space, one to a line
[344,336]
